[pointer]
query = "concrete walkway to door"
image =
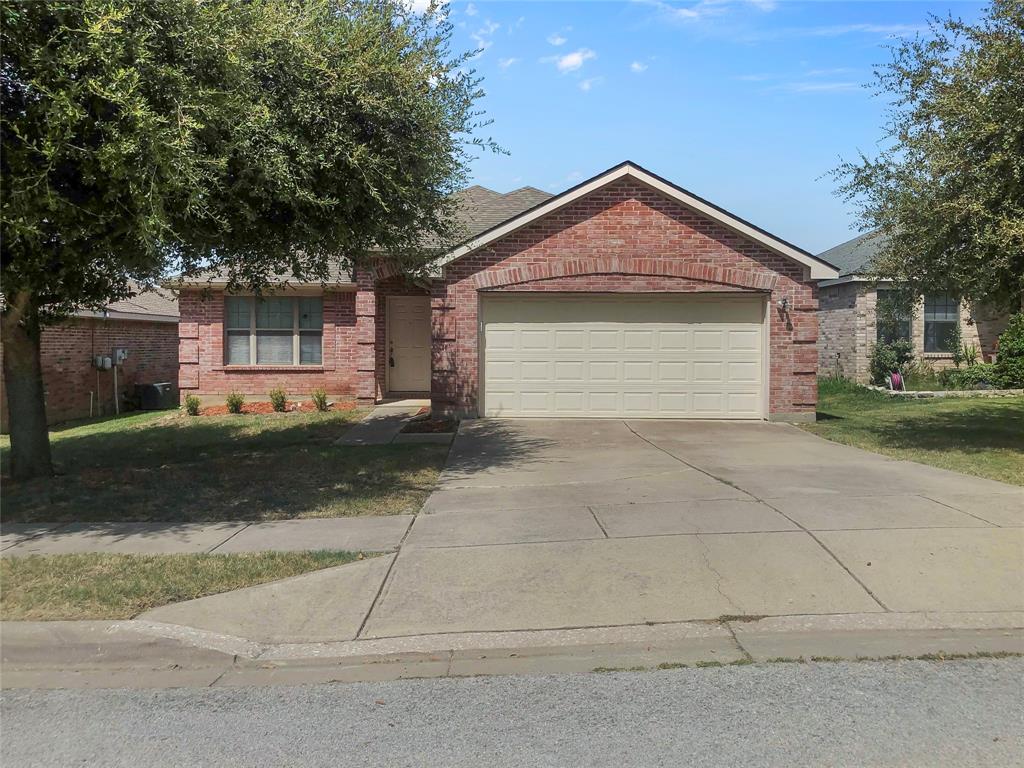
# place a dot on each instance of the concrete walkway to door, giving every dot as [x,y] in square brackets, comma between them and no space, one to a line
[546,525]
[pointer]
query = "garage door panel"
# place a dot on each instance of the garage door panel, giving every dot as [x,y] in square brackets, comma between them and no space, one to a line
[636,357]
[603,371]
[744,341]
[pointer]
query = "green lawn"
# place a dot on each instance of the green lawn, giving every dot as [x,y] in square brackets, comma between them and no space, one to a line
[102,586]
[161,466]
[976,436]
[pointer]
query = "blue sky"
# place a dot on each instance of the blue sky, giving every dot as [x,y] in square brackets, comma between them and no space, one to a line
[748,103]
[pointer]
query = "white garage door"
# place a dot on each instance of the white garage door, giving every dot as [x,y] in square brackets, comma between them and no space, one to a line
[680,356]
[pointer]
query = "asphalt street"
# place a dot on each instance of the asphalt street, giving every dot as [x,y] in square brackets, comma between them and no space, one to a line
[895,713]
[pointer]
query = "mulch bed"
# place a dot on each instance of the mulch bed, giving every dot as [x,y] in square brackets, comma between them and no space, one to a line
[266,408]
[423,424]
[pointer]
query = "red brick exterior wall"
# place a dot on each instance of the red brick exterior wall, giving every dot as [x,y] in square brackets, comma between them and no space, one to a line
[201,351]
[626,237]
[67,352]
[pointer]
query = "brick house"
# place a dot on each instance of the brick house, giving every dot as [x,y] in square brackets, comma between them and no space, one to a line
[624,296]
[850,326]
[145,325]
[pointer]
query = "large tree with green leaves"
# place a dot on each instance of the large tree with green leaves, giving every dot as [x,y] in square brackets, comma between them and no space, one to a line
[257,136]
[947,186]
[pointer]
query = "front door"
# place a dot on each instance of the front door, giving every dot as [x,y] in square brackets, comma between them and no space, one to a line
[409,343]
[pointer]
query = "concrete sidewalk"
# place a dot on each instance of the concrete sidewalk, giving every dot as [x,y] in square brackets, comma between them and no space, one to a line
[383,424]
[370,534]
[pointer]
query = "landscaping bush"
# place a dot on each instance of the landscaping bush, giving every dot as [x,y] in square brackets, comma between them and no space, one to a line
[319,399]
[1010,354]
[278,399]
[886,358]
[192,404]
[234,402]
[977,376]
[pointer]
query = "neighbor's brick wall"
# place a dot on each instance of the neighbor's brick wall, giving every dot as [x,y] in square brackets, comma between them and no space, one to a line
[640,240]
[848,323]
[842,330]
[201,350]
[69,376]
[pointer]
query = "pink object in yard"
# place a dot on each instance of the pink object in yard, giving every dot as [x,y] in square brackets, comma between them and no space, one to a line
[897,381]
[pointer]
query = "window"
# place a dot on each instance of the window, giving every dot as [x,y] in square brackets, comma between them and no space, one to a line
[892,320]
[941,318]
[276,330]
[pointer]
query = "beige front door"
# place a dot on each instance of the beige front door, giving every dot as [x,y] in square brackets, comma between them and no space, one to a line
[409,343]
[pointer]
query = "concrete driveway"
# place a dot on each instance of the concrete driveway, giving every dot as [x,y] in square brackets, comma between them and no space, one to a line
[561,524]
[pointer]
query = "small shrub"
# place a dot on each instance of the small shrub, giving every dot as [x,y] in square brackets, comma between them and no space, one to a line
[278,399]
[977,376]
[955,342]
[319,399]
[192,404]
[234,402]
[1010,354]
[970,355]
[886,358]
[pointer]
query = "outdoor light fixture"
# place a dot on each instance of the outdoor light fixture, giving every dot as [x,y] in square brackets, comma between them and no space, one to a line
[784,303]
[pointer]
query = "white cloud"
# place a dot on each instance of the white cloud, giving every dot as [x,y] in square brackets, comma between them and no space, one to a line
[417,6]
[637,66]
[482,37]
[590,82]
[471,10]
[818,86]
[573,61]
[574,176]
[506,63]
[702,9]
[556,39]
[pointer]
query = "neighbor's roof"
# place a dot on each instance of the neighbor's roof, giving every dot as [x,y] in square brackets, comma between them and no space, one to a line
[478,209]
[154,304]
[818,268]
[855,257]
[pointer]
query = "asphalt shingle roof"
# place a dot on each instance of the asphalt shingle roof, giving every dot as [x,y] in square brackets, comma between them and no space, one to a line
[854,257]
[479,209]
[156,301]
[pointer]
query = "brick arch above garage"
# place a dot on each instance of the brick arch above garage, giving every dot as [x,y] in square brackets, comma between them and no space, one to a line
[692,274]
[624,237]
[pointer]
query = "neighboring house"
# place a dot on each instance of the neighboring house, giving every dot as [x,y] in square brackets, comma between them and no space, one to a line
[145,325]
[850,324]
[624,296]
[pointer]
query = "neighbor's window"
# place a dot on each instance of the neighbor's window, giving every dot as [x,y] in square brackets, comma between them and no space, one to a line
[892,318]
[941,317]
[277,330]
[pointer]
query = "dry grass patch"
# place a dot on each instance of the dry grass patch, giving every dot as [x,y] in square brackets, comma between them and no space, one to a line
[105,586]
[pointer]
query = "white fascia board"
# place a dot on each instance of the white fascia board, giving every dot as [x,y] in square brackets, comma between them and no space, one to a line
[818,269]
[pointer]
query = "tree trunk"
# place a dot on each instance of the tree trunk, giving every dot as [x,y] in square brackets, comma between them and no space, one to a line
[23,382]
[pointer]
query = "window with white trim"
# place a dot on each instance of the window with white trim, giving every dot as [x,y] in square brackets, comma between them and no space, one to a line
[276,330]
[941,317]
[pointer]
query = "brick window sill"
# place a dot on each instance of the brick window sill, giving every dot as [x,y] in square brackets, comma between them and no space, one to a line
[271,368]
[937,355]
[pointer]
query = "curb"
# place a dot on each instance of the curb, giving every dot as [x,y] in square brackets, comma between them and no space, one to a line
[144,654]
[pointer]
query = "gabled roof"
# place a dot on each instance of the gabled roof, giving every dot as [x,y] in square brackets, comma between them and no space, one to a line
[153,304]
[819,268]
[855,257]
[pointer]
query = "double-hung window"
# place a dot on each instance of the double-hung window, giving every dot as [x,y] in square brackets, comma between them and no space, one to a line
[277,330]
[941,317]
[892,319]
